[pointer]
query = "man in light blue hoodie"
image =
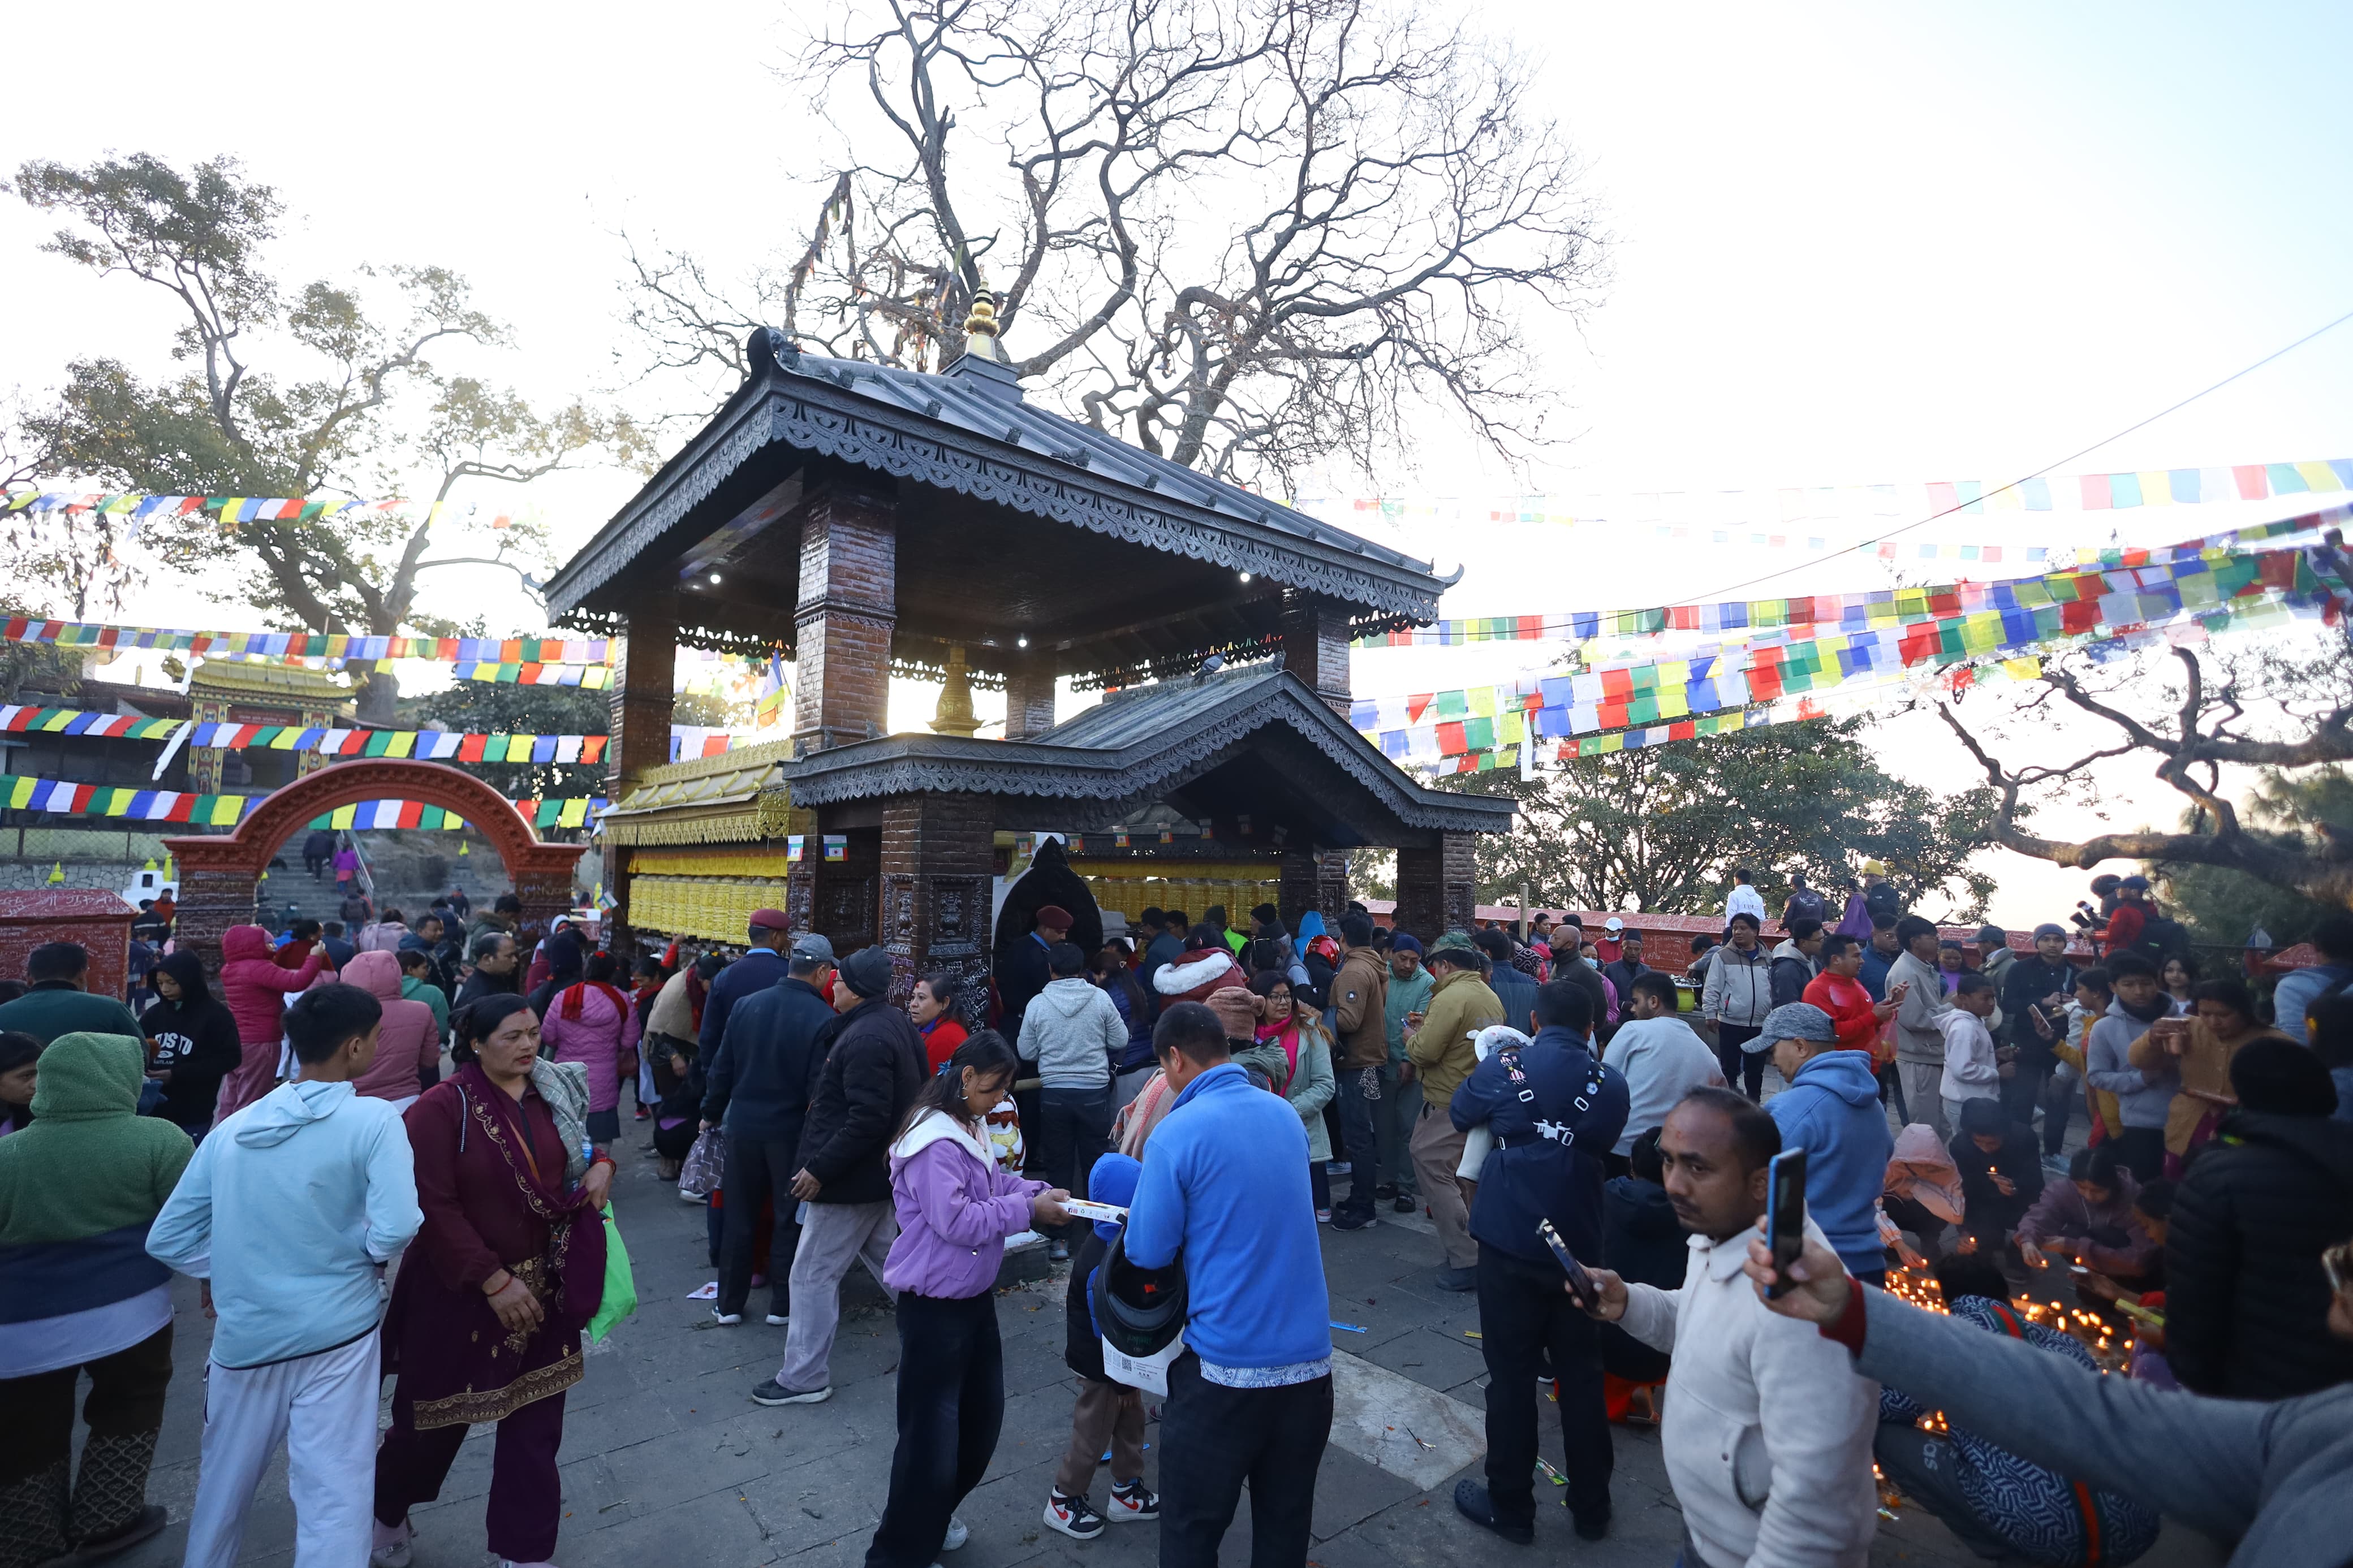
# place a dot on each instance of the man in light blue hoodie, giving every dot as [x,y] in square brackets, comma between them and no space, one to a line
[1831,1111]
[290,1213]
[1225,1185]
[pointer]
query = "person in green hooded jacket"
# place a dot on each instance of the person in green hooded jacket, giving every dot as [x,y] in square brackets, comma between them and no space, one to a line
[78,1188]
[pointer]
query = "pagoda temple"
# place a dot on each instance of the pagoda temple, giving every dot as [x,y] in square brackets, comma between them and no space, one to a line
[867,520]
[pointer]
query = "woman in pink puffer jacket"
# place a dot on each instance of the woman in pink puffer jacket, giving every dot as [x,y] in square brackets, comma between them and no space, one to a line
[256,990]
[593,1023]
[408,1045]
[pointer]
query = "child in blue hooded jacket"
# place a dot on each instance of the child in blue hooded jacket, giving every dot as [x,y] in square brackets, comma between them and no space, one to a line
[1831,1111]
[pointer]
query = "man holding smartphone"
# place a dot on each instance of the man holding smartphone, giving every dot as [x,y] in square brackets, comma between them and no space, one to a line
[1766,1432]
[1554,1111]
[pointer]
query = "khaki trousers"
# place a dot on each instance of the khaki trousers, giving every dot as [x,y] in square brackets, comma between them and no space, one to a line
[1437,1149]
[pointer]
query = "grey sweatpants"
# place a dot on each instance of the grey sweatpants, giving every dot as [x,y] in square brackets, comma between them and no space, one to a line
[834,1237]
[1924,1094]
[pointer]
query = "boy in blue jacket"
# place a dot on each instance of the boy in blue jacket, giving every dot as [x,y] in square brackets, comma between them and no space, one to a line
[1225,1184]
[1831,1111]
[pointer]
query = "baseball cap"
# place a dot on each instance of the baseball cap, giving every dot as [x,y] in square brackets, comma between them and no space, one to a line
[1613,924]
[811,945]
[1792,1021]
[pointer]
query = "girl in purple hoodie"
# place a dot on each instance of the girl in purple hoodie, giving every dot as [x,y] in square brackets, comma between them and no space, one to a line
[955,1208]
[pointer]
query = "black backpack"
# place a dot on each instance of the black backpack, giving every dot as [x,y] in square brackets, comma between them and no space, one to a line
[1807,905]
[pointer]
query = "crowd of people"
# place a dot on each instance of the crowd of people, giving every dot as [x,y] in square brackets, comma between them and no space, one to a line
[1226,1087]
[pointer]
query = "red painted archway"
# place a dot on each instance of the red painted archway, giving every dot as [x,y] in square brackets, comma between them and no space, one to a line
[218,874]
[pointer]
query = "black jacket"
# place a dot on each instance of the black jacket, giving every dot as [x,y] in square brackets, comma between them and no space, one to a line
[871,1072]
[1790,976]
[1021,973]
[1583,975]
[757,1086]
[2247,1304]
[2029,980]
[1517,993]
[1642,1240]
[196,1039]
[1082,1343]
[1552,1126]
[1986,1213]
[758,969]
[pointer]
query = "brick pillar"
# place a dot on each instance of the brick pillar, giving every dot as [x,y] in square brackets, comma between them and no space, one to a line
[644,687]
[849,605]
[1315,879]
[1438,889]
[836,897]
[938,856]
[1029,701]
[1316,645]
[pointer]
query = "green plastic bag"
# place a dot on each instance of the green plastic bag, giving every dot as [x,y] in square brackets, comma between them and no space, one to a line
[620,1298]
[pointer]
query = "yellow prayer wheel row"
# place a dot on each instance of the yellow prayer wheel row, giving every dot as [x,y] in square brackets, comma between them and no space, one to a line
[718,909]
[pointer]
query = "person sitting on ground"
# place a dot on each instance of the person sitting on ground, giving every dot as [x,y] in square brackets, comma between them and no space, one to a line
[1831,1111]
[1998,1505]
[2270,1481]
[1758,1408]
[1660,1058]
[1840,991]
[1225,1187]
[78,1190]
[2001,1174]
[1923,1195]
[2245,1295]
[2088,1219]
[1108,1418]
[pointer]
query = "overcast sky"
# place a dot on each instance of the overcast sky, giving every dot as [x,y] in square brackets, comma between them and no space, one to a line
[1851,244]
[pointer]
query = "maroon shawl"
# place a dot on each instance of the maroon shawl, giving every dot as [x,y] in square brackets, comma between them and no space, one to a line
[489,1179]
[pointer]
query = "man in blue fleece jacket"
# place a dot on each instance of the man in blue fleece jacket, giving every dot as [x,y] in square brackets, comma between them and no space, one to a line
[1225,1184]
[289,1212]
[1831,1111]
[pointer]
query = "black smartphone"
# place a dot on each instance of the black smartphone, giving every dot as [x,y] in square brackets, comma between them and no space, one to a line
[1785,1215]
[1580,1284]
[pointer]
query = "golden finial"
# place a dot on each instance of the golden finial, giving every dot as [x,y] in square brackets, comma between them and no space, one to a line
[955,715]
[980,328]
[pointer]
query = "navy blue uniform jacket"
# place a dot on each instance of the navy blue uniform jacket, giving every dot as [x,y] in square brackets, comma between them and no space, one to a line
[1554,1115]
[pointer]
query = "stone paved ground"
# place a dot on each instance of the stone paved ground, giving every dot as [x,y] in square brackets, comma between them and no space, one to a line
[665,1460]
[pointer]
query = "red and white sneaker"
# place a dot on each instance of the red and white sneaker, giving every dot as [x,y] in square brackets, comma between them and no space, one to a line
[1073,1516]
[1132,1499]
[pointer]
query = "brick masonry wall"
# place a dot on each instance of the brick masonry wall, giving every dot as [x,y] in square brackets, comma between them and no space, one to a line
[937,858]
[1316,645]
[847,609]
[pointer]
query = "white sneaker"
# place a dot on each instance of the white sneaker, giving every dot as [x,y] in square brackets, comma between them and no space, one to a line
[725,1320]
[776,1323]
[390,1548]
[958,1533]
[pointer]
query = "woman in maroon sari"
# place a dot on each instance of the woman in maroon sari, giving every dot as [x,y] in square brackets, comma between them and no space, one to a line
[486,1317]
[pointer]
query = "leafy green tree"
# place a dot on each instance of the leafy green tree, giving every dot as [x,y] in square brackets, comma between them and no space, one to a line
[291,393]
[1662,829]
[2290,812]
[485,707]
